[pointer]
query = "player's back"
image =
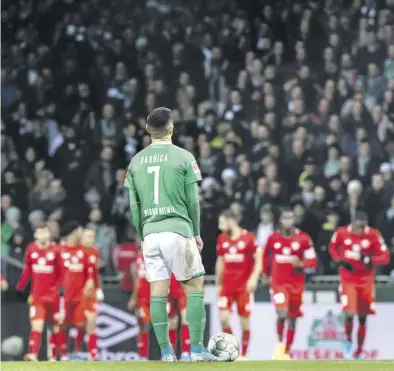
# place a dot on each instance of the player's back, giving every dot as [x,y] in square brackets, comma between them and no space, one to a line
[160,173]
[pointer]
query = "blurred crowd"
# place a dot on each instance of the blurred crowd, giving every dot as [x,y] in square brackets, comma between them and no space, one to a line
[286,102]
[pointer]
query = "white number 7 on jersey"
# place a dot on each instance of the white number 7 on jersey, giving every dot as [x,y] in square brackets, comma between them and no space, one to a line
[155,170]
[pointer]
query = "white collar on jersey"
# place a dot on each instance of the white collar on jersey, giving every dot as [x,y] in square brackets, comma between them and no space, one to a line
[161,142]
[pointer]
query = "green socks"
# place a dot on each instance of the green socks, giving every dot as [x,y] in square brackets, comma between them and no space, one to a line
[196,318]
[159,319]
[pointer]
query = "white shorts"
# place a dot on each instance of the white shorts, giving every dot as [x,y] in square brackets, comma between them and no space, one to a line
[168,252]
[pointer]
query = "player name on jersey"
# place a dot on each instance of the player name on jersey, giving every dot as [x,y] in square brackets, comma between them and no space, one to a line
[160,157]
[159,211]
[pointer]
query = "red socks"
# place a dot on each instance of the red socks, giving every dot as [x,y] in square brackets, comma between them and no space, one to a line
[227,330]
[62,342]
[349,330]
[185,339]
[79,339]
[362,330]
[143,344]
[245,342]
[92,347]
[34,342]
[280,326]
[289,339]
[173,338]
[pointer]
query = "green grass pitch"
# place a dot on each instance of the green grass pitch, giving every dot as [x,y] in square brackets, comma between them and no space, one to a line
[236,366]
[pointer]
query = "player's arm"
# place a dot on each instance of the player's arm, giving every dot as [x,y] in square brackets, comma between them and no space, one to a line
[192,176]
[90,264]
[266,256]
[136,282]
[97,280]
[381,254]
[254,277]
[219,266]
[135,208]
[26,273]
[334,249]
[309,261]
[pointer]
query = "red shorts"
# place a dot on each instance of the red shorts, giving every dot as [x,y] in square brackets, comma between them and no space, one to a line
[176,304]
[243,299]
[75,312]
[289,298]
[48,311]
[358,298]
[143,311]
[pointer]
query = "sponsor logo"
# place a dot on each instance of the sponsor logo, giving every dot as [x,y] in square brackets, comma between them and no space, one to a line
[115,326]
[326,339]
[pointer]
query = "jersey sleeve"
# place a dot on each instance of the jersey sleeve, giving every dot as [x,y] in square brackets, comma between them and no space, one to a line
[193,173]
[219,248]
[134,202]
[253,246]
[334,246]
[27,270]
[309,255]
[267,255]
[380,251]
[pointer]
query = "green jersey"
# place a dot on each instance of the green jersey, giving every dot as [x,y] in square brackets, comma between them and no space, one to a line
[157,178]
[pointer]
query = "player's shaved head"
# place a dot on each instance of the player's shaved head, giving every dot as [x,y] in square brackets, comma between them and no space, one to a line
[228,214]
[360,221]
[159,123]
[42,234]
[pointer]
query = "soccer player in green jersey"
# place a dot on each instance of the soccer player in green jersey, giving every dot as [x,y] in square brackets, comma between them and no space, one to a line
[164,201]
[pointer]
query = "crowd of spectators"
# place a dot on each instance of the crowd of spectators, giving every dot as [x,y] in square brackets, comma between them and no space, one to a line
[286,102]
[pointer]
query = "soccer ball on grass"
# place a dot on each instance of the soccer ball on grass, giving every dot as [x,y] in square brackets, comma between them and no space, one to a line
[224,346]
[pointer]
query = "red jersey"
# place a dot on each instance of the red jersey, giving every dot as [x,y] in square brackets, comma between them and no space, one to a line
[279,252]
[143,285]
[176,288]
[43,266]
[238,257]
[348,246]
[79,266]
[125,257]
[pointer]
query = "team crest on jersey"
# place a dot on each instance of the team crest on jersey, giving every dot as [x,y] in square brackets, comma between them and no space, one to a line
[50,256]
[225,245]
[365,244]
[295,245]
[348,241]
[241,244]
[195,167]
[42,261]
[286,251]
[277,245]
[80,254]
[356,248]
[34,255]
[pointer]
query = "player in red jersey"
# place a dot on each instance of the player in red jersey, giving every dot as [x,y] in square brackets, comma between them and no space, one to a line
[43,266]
[287,254]
[238,267]
[140,301]
[79,283]
[357,248]
[88,306]
[177,309]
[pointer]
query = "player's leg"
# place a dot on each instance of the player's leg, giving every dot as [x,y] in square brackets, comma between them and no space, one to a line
[366,306]
[225,303]
[244,305]
[37,315]
[54,320]
[143,313]
[279,296]
[158,275]
[184,259]
[63,337]
[173,330]
[185,334]
[294,312]
[90,328]
[79,339]
[348,297]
